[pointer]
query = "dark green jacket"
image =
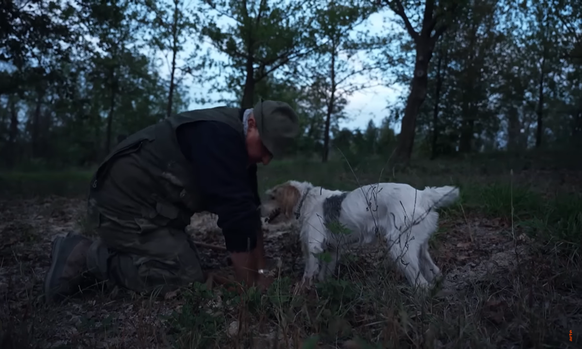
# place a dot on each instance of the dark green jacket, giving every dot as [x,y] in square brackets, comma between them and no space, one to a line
[161,158]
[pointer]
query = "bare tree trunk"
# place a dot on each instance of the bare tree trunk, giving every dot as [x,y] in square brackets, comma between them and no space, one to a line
[12,133]
[424,42]
[249,89]
[513,129]
[36,126]
[435,114]
[413,103]
[97,149]
[469,81]
[540,108]
[111,109]
[577,125]
[174,54]
[330,110]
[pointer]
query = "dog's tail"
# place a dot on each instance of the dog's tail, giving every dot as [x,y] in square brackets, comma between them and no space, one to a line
[438,197]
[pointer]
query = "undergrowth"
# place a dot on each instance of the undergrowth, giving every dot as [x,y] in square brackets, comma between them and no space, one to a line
[531,301]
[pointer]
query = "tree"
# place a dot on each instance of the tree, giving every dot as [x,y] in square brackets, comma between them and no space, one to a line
[265,37]
[434,22]
[172,25]
[115,24]
[333,70]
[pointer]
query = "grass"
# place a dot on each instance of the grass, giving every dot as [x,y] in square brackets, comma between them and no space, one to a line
[510,246]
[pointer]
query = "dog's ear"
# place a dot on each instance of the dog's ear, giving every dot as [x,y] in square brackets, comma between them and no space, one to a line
[287,196]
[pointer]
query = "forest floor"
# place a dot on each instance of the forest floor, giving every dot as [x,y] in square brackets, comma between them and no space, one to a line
[509,252]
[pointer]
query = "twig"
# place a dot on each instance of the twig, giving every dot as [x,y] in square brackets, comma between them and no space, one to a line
[215,279]
[210,246]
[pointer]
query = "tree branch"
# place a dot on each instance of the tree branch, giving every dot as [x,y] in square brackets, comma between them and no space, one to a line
[262,4]
[399,10]
[427,19]
[222,13]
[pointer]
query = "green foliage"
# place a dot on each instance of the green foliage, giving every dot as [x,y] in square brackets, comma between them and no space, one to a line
[78,75]
[265,36]
[191,327]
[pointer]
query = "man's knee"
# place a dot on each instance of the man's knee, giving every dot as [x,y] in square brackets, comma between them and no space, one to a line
[166,259]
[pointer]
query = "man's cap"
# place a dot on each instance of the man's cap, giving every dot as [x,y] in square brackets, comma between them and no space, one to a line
[277,123]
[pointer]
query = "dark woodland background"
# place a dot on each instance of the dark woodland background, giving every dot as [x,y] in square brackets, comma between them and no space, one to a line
[488,98]
[482,75]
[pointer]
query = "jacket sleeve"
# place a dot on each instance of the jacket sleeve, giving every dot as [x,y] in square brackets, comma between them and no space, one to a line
[220,162]
[254,183]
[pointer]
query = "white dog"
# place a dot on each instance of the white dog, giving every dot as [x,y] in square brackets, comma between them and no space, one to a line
[405,216]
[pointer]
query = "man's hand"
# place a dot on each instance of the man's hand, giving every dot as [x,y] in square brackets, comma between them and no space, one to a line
[264,282]
[247,264]
[245,267]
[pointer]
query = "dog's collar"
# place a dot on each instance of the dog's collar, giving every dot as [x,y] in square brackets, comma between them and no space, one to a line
[298,212]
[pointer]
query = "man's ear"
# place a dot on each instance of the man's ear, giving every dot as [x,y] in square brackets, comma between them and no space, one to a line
[252,123]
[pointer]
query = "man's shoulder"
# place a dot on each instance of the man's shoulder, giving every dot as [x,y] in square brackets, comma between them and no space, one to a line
[206,128]
[209,113]
[218,135]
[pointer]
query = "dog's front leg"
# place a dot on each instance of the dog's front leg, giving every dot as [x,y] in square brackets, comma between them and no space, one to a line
[312,256]
[328,266]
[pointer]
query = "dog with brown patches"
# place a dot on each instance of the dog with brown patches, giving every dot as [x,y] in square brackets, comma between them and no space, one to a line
[405,216]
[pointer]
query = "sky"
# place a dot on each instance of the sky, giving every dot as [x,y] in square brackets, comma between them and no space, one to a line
[362,105]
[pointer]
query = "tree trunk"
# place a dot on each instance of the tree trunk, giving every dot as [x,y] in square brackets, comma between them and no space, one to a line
[424,44]
[466,141]
[435,114]
[330,109]
[540,108]
[111,110]
[513,129]
[36,148]
[414,102]
[12,133]
[97,150]
[249,89]
[174,54]
[470,81]
[577,126]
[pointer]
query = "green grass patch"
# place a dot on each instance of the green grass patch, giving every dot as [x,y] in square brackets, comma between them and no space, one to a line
[495,194]
[44,183]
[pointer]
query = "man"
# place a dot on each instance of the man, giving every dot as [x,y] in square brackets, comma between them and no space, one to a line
[142,196]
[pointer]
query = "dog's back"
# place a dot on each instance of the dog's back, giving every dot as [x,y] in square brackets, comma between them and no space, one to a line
[384,205]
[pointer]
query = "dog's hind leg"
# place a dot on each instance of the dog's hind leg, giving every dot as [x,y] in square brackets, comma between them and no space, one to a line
[427,265]
[429,269]
[406,254]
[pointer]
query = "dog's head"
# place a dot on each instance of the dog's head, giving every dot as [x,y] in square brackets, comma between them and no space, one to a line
[282,200]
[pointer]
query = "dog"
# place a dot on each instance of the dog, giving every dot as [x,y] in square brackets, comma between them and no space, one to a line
[405,216]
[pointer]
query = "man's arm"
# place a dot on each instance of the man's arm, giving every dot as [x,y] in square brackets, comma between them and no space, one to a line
[254,184]
[219,156]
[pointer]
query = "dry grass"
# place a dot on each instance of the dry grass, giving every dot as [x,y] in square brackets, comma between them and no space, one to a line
[509,251]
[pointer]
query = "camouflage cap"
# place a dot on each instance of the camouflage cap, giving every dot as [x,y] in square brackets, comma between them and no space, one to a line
[277,123]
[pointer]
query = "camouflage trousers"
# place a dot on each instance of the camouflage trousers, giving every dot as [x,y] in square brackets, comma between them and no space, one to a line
[142,243]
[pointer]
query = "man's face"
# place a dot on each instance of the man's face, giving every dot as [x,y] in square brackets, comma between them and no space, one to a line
[255,148]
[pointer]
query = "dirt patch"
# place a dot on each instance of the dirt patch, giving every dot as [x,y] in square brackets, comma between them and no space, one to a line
[472,253]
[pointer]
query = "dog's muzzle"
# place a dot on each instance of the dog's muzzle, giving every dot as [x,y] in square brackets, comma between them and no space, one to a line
[273,215]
